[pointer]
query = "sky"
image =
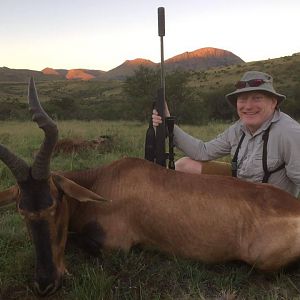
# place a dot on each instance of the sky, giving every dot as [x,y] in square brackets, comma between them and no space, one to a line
[102,34]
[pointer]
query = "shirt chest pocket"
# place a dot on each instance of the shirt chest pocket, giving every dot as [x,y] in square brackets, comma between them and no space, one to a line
[256,164]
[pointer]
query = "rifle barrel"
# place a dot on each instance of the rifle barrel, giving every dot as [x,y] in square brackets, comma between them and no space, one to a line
[161,33]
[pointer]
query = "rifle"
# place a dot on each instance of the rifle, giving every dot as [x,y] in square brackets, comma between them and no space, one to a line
[155,139]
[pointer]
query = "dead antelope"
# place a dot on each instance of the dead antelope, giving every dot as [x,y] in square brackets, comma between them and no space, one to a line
[207,218]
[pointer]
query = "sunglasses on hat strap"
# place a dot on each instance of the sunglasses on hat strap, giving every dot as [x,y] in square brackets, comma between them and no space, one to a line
[250,83]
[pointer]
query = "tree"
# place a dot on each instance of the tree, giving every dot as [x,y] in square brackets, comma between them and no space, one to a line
[179,94]
[216,106]
[141,90]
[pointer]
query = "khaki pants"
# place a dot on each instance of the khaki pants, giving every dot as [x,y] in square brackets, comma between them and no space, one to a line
[216,168]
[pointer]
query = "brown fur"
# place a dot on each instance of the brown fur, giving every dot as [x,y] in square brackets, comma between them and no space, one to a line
[178,213]
[77,145]
[175,212]
[186,214]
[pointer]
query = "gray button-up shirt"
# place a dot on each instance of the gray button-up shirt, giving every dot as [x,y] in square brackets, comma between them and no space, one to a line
[283,147]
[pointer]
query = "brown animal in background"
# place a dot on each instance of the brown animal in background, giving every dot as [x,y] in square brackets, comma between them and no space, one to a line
[76,145]
[132,201]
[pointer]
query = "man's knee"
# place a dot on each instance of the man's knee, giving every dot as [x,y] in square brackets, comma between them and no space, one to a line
[188,165]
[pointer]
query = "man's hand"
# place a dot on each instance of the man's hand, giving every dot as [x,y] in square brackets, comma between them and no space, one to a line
[156,119]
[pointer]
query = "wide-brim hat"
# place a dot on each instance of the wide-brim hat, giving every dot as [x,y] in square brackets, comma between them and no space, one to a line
[254,81]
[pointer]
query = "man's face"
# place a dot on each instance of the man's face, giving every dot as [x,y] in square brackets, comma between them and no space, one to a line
[254,108]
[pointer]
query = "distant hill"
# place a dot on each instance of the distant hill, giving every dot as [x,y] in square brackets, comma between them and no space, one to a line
[82,74]
[106,99]
[201,59]
[128,67]
[50,71]
[85,74]
[22,75]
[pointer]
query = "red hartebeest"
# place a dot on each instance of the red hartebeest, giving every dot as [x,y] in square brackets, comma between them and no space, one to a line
[208,218]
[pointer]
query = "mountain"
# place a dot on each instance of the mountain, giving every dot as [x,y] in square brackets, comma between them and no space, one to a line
[85,74]
[22,75]
[81,74]
[128,67]
[50,71]
[201,59]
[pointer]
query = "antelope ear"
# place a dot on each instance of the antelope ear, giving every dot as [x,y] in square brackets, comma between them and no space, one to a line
[9,196]
[74,190]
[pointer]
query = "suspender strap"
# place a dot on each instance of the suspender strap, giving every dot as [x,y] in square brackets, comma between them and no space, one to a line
[268,173]
[265,139]
[235,157]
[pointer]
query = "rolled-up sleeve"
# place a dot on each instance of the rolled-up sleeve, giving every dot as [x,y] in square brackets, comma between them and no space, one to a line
[199,150]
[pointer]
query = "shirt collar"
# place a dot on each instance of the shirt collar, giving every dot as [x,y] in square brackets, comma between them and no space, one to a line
[264,126]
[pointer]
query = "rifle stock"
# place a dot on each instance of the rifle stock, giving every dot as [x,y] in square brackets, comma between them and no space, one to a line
[160,147]
[170,121]
[150,142]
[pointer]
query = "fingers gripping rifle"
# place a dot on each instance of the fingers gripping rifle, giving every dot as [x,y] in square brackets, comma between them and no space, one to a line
[155,139]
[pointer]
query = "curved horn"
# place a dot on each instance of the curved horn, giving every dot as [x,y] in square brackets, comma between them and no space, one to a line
[17,166]
[41,164]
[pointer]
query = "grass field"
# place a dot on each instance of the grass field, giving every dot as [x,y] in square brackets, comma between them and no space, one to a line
[139,274]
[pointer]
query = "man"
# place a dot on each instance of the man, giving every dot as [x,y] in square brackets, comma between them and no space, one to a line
[264,143]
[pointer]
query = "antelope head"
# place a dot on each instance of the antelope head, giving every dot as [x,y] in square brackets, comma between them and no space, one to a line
[42,200]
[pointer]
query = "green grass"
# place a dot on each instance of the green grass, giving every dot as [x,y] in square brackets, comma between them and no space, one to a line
[278,67]
[139,274]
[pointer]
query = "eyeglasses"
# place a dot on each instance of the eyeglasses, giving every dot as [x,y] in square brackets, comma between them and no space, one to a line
[251,83]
